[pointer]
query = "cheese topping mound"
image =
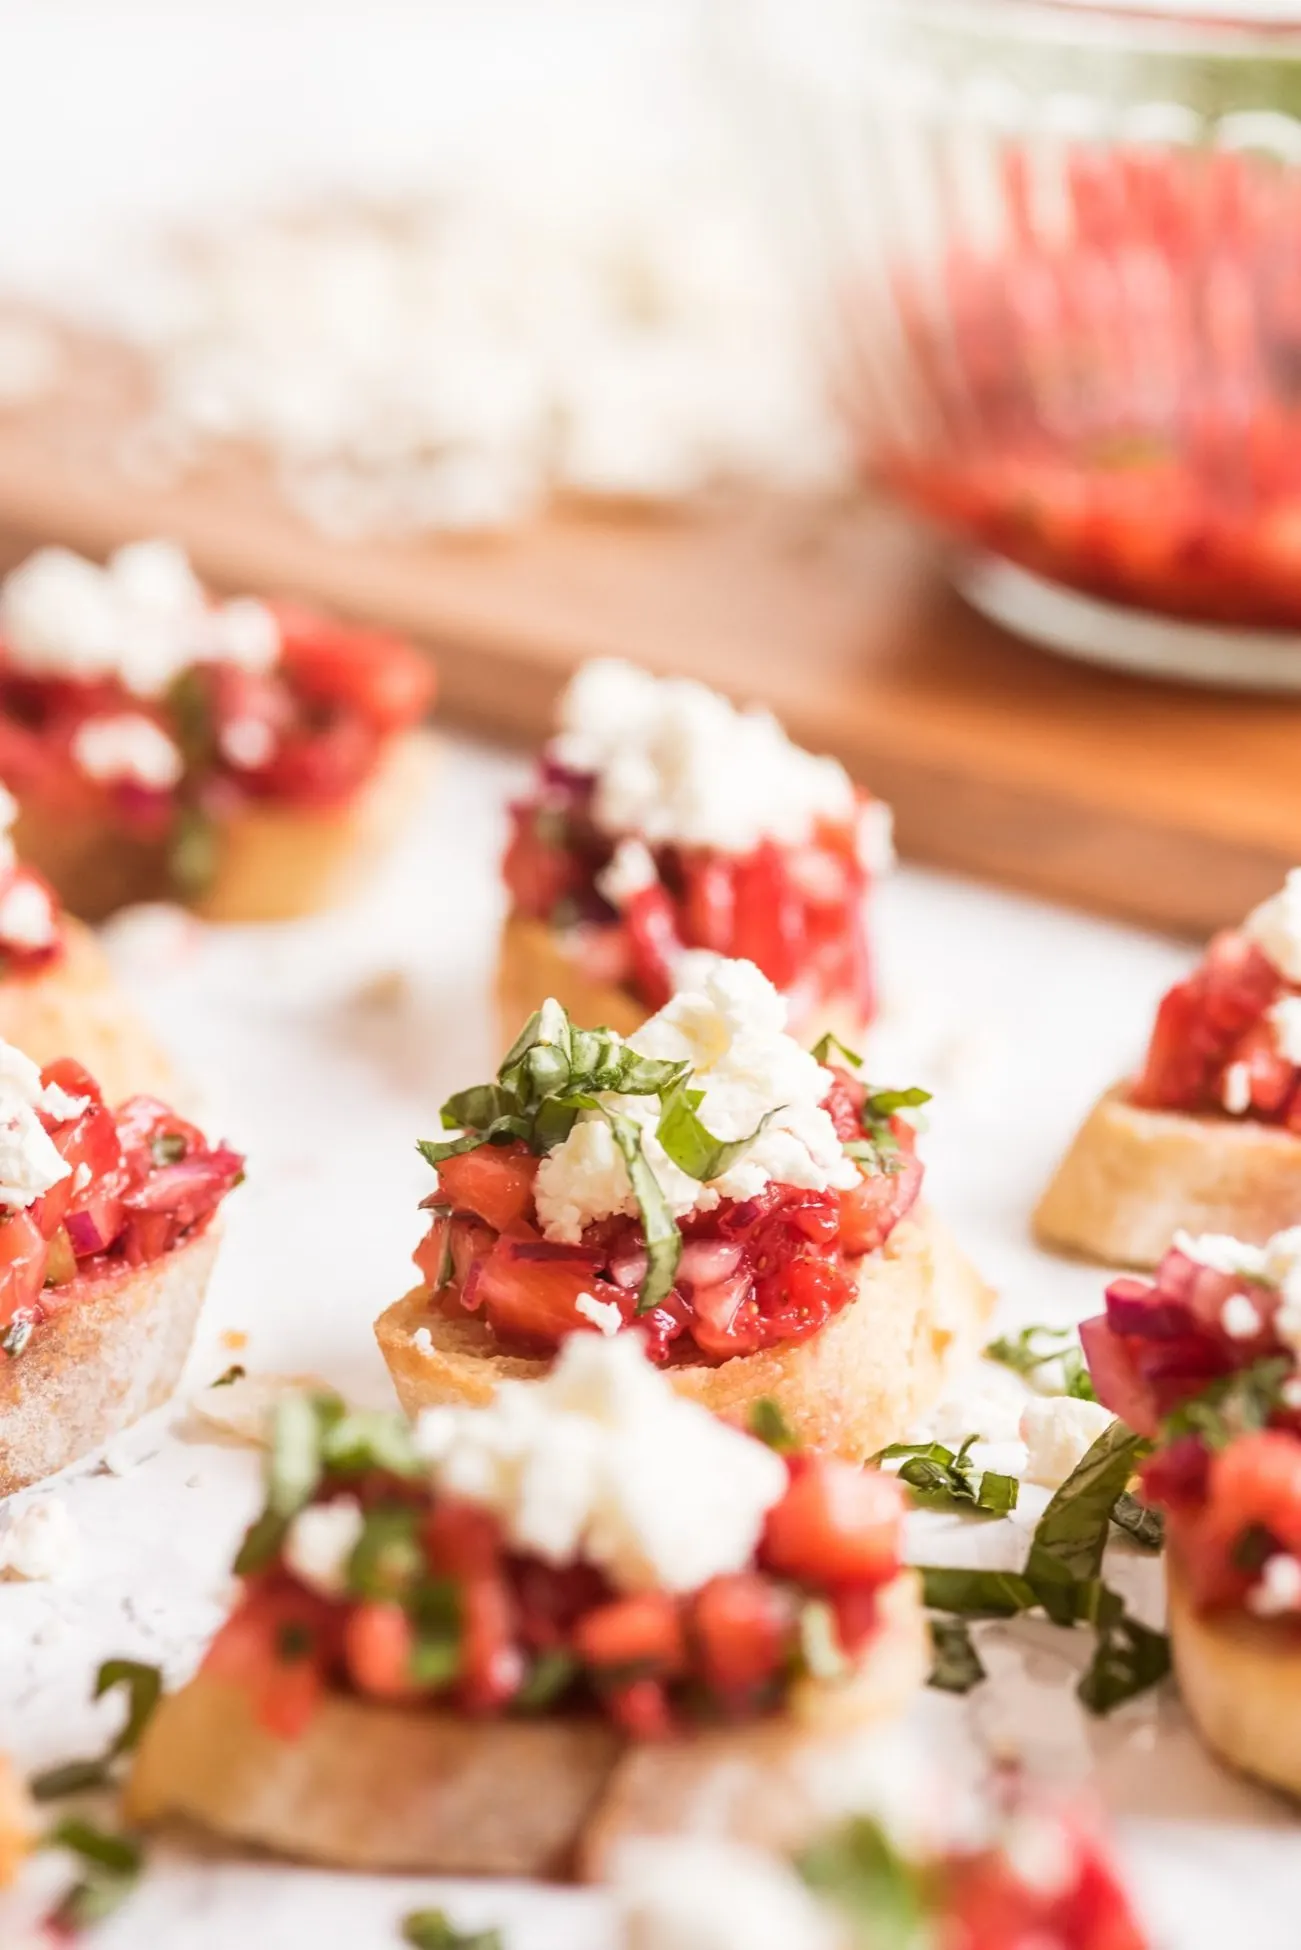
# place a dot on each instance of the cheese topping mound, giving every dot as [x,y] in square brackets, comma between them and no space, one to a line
[29,1162]
[127,747]
[1275,927]
[27,916]
[142,620]
[731,1030]
[604,1461]
[676,763]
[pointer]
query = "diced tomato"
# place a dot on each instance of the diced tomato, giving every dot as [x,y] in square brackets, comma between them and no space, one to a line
[710,908]
[495,1182]
[769,927]
[377,1645]
[431,1255]
[1271,1078]
[539,875]
[275,1644]
[23,1253]
[492,1665]
[633,1632]
[461,1540]
[1254,1484]
[870,1212]
[741,1624]
[653,939]
[642,1709]
[1116,1380]
[382,678]
[835,1525]
[530,1289]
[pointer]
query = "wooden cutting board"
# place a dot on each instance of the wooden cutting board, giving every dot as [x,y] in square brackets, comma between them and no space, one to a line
[1180,808]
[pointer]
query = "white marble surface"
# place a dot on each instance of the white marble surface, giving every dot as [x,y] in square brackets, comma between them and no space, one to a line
[325,1049]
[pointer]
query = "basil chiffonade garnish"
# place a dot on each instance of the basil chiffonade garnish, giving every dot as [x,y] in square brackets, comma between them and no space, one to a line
[110,1868]
[143,1685]
[1037,1347]
[1062,1576]
[555,1071]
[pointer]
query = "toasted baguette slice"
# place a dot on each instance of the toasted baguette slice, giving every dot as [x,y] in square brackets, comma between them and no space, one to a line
[387,1788]
[1133,1177]
[534,962]
[274,863]
[97,1366]
[75,1008]
[856,1385]
[1240,1678]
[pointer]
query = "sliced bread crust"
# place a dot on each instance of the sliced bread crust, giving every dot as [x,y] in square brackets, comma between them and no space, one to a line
[417,1791]
[1133,1177]
[100,1363]
[274,863]
[856,1385]
[75,1008]
[1240,1678]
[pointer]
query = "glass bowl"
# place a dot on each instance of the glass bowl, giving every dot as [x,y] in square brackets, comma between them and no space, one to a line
[1056,255]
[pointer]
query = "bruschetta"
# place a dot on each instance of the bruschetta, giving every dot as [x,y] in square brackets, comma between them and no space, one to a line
[249,759]
[57,991]
[1207,1136]
[662,820]
[1203,1360]
[108,1238]
[502,1641]
[754,1211]
[1004,1864]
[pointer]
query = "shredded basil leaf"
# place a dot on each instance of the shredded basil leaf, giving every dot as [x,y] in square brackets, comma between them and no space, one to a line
[1235,1404]
[113,1866]
[882,1104]
[1139,1521]
[883,1894]
[18,1333]
[767,1423]
[552,1673]
[659,1227]
[193,852]
[430,1929]
[1035,1347]
[144,1686]
[235,1372]
[690,1146]
[955,1663]
[1071,1535]
[939,1479]
[821,1051]
[975,1594]
[1128,1659]
[387,1558]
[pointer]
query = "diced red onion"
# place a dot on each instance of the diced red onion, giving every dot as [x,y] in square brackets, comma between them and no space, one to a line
[84,1235]
[1136,1307]
[705,1262]
[629,1269]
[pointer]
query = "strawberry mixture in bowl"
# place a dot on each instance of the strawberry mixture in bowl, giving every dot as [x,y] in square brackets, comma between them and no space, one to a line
[586,1190]
[661,821]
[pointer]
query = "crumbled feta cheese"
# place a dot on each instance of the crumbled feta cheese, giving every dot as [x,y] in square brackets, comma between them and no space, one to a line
[1236,1094]
[422,1341]
[1284,1017]
[603,1460]
[1058,1432]
[247,743]
[41,1541]
[990,1410]
[730,1031]
[1222,1253]
[605,1315]
[1290,1392]
[630,870]
[1040,1854]
[708,1894]
[81,1177]
[676,763]
[129,748]
[320,1541]
[1279,1588]
[29,1162]
[142,620]
[1239,1318]
[27,916]
[1275,927]
[1277,1263]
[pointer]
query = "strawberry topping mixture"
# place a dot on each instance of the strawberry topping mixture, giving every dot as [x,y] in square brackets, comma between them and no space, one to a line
[1216,1043]
[141,1181]
[798,913]
[429,1604]
[1202,1359]
[1110,399]
[768,1270]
